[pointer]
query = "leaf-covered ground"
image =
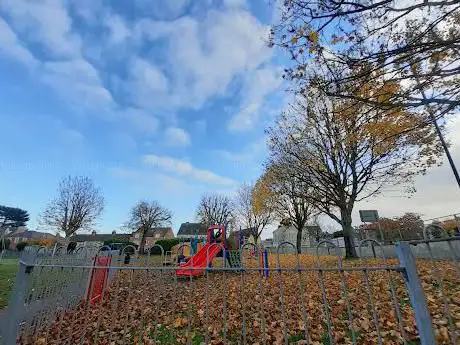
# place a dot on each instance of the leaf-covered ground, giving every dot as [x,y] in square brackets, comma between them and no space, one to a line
[153,307]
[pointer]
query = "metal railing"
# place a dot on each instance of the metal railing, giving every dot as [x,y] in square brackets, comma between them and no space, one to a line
[104,298]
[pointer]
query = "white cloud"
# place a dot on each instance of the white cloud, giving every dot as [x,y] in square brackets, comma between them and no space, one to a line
[124,142]
[176,136]
[78,80]
[186,169]
[140,120]
[169,9]
[259,84]
[46,22]
[144,179]
[119,31]
[234,3]
[147,86]
[205,56]
[9,44]
[249,154]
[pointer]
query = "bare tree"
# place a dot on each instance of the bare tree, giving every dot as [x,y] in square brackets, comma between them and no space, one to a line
[77,206]
[254,208]
[349,153]
[291,197]
[214,209]
[146,215]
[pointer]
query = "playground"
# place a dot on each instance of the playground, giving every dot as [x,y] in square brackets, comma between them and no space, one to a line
[272,298]
[153,306]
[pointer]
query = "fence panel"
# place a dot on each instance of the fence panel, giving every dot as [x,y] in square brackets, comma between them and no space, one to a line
[302,299]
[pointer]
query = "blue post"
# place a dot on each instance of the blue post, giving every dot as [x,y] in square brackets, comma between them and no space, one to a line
[240,238]
[416,294]
[265,262]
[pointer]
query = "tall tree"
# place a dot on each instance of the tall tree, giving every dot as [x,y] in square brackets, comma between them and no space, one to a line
[77,206]
[291,198]
[12,217]
[214,209]
[349,152]
[254,207]
[146,215]
[340,45]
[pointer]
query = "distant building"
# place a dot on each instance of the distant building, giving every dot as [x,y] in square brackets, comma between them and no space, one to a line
[97,240]
[152,236]
[267,243]
[22,234]
[192,230]
[245,236]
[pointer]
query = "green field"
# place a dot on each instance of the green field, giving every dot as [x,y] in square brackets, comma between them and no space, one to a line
[8,269]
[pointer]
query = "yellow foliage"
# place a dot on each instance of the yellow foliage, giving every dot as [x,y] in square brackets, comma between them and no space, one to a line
[313,36]
[262,196]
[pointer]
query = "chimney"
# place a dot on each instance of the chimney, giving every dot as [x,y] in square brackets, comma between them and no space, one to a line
[93,232]
[114,232]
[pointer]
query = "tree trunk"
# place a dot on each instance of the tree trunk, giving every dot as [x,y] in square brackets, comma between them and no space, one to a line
[299,241]
[350,250]
[142,244]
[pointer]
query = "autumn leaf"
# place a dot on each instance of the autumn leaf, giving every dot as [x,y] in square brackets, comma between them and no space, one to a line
[313,36]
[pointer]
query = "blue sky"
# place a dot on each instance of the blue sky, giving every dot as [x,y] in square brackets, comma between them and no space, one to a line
[164,100]
[160,100]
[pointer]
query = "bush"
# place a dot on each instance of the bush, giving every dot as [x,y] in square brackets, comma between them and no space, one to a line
[5,244]
[337,234]
[166,244]
[21,245]
[119,240]
[71,247]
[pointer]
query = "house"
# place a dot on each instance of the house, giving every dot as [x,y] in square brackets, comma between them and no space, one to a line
[245,236]
[192,230]
[97,240]
[22,234]
[267,243]
[289,234]
[152,236]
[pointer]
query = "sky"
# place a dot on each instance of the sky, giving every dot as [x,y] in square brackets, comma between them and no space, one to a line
[159,100]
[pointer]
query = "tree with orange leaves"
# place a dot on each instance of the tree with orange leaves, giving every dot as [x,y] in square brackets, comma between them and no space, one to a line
[349,151]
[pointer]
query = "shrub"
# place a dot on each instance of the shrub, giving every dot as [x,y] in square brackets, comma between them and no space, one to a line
[5,244]
[71,247]
[119,240]
[337,234]
[49,243]
[166,244]
[21,245]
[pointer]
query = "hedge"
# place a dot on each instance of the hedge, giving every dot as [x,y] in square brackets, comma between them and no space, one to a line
[166,244]
[21,245]
[119,240]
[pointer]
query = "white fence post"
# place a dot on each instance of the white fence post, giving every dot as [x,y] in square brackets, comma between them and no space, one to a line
[15,309]
[416,294]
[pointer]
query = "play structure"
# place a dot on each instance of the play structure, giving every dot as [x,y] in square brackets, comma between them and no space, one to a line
[216,246]
[196,264]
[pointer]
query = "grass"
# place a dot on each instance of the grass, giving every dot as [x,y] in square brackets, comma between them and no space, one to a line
[8,269]
[166,335]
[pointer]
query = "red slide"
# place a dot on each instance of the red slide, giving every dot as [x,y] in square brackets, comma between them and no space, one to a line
[199,261]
